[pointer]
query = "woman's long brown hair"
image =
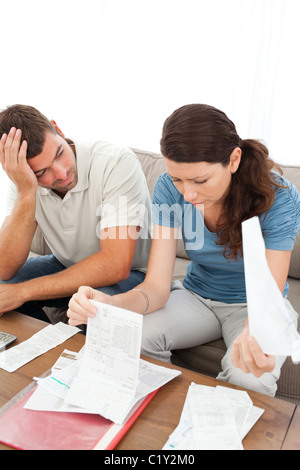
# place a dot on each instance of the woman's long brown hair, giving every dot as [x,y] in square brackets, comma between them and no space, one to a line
[197,132]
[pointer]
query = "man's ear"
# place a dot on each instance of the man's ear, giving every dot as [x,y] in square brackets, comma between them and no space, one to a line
[57,128]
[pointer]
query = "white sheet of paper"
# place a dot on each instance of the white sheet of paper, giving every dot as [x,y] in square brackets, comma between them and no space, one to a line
[214,425]
[109,367]
[269,320]
[41,342]
[240,404]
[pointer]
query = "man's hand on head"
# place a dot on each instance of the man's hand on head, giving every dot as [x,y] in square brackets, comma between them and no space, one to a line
[13,160]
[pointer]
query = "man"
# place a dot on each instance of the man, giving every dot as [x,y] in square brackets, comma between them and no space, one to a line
[91,203]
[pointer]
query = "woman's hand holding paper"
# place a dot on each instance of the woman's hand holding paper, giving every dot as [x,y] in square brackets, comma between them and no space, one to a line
[80,307]
[248,356]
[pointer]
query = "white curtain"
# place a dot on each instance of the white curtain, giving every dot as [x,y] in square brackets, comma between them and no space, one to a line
[115,69]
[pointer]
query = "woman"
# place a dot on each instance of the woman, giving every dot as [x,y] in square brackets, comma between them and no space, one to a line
[214,181]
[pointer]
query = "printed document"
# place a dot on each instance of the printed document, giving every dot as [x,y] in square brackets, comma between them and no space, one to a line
[109,367]
[41,342]
[270,322]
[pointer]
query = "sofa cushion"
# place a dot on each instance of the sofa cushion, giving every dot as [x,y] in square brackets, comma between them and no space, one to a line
[39,245]
[205,358]
[294,270]
[153,165]
[292,173]
[180,268]
[294,293]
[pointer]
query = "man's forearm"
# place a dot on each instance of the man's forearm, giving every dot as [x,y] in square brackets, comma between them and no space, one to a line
[97,270]
[16,236]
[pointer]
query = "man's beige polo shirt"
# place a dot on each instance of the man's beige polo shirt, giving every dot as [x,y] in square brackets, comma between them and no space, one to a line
[111,191]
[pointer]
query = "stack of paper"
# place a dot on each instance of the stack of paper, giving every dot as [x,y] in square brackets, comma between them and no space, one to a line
[108,377]
[214,418]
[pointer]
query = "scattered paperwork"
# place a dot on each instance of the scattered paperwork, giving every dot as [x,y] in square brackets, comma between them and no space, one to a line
[213,418]
[270,322]
[107,377]
[41,342]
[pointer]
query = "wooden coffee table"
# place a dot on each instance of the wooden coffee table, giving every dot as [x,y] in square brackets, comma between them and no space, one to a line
[278,428]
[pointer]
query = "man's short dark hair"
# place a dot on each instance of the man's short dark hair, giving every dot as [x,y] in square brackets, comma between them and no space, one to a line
[32,123]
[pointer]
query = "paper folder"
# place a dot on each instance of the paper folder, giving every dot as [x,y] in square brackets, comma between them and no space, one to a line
[45,430]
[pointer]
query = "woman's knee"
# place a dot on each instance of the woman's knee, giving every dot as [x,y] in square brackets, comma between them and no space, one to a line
[266,384]
[154,339]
